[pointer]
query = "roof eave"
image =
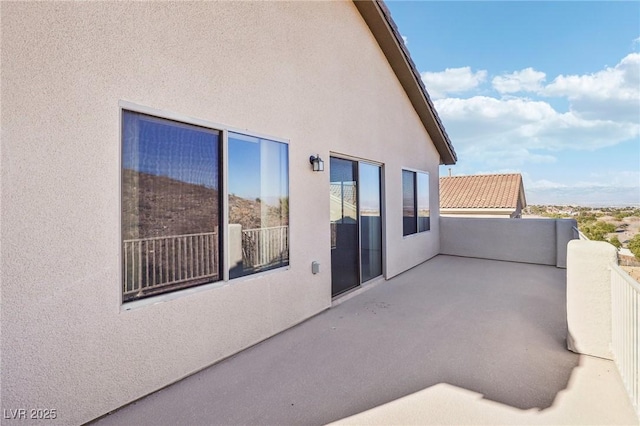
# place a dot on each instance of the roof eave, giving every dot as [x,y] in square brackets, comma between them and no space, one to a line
[522,193]
[378,19]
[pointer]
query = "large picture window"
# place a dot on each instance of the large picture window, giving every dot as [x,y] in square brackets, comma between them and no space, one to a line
[170,205]
[415,202]
[258,205]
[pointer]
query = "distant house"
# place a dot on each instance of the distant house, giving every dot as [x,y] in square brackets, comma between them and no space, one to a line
[500,196]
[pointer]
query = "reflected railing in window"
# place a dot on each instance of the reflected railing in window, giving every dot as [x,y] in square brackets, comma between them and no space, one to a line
[152,265]
[265,247]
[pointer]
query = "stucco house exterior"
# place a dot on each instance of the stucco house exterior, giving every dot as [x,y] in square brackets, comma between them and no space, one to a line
[482,196]
[160,208]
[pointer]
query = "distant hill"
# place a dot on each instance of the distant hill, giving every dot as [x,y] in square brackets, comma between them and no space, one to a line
[155,206]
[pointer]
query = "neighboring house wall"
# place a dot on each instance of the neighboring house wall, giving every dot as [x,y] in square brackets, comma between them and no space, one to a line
[311,73]
[518,213]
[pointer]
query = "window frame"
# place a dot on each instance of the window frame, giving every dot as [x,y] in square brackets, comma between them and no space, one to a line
[416,191]
[224,130]
[229,130]
[186,279]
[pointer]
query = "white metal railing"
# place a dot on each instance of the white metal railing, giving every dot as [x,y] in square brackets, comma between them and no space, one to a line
[152,263]
[265,246]
[625,325]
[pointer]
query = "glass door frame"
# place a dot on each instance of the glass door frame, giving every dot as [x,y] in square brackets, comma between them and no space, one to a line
[358,161]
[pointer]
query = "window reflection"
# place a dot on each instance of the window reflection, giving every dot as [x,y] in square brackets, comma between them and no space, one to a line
[370,221]
[423,202]
[258,205]
[415,202]
[409,225]
[344,225]
[170,205]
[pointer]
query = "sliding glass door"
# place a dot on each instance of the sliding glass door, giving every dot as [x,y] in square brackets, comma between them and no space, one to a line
[344,225]
[370,222]
[356,223]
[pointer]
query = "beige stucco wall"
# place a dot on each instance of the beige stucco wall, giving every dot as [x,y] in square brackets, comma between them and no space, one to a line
[307,72]
[589,297]
[540,241]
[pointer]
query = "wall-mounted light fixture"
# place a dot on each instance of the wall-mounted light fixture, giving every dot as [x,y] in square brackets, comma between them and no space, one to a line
[317,163]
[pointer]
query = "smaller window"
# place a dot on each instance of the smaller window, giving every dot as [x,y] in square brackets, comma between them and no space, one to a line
[258,205]
[415,202]
[409,218]
[424,223]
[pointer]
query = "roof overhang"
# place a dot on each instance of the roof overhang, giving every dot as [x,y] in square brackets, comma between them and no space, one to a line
[378,18]
[523,199]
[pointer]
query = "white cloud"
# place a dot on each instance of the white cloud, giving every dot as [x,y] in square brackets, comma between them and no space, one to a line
[610,191]
[484,108]
[544,184]
[515,131]
[613,93]
[610,94]
[619,82]
[406,40]
[452,80]
[526,80]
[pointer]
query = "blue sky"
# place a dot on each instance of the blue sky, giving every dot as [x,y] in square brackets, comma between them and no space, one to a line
[249,177]
[179,151]
[547,89]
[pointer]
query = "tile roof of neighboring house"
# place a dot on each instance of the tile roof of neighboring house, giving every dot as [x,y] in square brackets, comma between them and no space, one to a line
[386,33]
[482,191]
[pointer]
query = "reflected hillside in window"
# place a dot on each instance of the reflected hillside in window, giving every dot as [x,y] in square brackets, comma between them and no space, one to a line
[170,205]
[155,206]
[257,213]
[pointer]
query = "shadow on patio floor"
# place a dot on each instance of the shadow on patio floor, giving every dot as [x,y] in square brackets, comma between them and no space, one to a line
[494,328]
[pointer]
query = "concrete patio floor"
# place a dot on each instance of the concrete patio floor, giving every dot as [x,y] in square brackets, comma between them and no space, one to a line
[452,341]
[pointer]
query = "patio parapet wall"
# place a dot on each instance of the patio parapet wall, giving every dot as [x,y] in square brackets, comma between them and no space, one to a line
[538,241]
